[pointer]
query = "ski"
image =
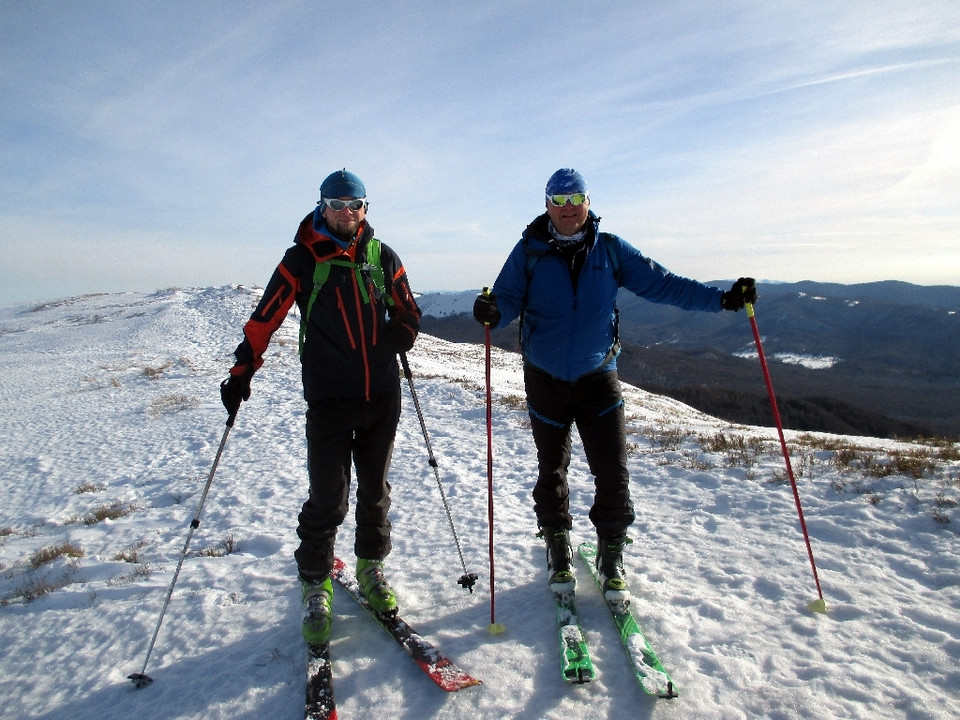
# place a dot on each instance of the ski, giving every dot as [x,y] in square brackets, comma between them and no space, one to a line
[653,679]
[320,702]
[575,662]
[428,658]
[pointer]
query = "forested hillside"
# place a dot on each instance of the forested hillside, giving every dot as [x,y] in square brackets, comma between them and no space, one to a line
[876,359]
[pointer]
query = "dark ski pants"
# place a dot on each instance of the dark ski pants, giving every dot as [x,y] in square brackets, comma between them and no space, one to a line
[340,431]
[595,403]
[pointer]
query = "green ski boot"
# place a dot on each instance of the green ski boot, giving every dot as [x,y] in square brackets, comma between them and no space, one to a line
[374,587]
[318,610]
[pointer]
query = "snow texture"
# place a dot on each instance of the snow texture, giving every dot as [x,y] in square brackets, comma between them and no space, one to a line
[111,422]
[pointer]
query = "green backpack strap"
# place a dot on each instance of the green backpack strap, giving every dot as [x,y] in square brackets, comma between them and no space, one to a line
[320,274]
[372,267]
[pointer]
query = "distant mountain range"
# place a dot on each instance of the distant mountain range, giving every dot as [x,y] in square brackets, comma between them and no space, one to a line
[879,359]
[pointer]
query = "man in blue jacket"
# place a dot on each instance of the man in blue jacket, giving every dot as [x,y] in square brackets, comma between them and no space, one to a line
[561,280]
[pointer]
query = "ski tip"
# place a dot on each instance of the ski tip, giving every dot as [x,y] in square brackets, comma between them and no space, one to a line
[462,683]
[496,628]
[818,606]
[140,680]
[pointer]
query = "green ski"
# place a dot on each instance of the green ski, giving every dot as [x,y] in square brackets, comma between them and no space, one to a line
[575,662]
[653,679]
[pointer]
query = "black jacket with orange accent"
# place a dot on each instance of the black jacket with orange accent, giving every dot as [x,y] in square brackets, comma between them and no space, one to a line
[349,350]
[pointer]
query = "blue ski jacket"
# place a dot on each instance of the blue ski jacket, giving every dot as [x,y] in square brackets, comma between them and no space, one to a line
[569,332]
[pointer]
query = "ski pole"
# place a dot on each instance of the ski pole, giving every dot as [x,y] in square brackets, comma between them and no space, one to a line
[819,605]
[141,679]
[495,627]
[468,579]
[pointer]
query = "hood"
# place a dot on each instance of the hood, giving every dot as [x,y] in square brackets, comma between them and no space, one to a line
[321,242]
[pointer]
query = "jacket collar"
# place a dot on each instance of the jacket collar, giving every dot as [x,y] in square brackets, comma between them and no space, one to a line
[538,230]
[322,243]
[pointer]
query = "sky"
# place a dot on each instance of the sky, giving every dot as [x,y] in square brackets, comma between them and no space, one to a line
[145,146]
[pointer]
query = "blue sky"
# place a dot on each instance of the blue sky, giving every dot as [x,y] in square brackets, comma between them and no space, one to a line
[153,145]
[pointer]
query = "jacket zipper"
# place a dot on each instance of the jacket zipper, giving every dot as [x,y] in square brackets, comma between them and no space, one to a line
[363,344]
[346,320]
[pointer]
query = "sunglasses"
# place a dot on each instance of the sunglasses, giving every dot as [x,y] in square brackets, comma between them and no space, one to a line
[561,200]
[338,205]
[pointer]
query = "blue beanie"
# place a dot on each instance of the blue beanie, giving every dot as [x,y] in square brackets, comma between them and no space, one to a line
[566,181]
[342,183]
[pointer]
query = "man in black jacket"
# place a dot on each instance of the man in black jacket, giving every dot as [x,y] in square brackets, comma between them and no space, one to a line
[346,284]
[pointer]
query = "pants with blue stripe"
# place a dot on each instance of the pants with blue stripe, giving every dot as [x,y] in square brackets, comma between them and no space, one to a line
[595,403]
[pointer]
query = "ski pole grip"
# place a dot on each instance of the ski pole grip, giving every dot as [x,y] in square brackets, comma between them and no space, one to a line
[486,293]
[231,414]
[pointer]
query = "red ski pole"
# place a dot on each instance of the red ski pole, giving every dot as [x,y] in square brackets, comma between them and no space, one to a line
[495,627]
[819,605]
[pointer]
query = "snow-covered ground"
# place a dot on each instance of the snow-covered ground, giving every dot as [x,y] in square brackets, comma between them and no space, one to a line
[111,420]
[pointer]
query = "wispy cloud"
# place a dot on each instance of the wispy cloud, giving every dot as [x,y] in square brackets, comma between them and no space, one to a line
[821,136]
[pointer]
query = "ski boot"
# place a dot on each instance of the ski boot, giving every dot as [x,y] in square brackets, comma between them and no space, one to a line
[375,588]
[559,558]
[317,610]
[610,563]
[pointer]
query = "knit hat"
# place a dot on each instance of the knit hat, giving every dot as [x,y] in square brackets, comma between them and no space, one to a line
[566,181]
[342,183]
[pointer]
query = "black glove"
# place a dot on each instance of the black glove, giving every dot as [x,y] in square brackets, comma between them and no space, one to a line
[485,309]
[235,389]
[398,336]
[743,291]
